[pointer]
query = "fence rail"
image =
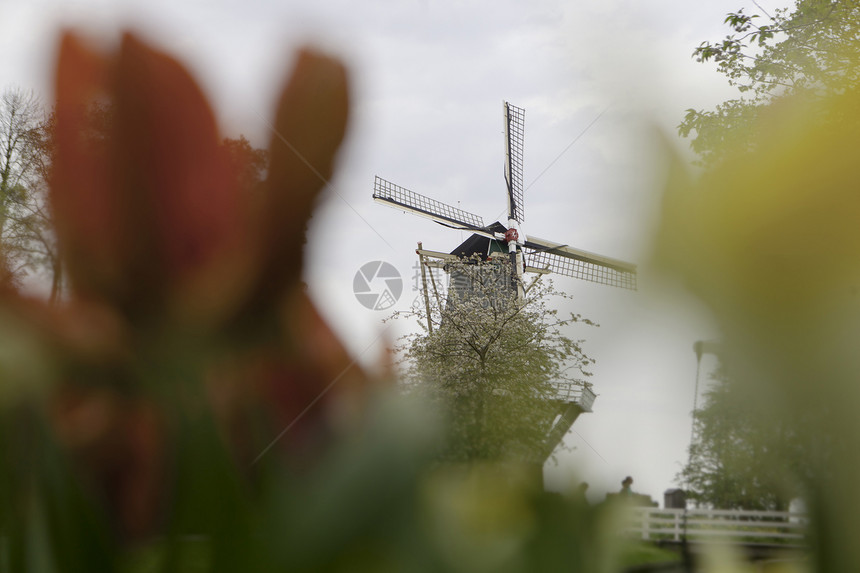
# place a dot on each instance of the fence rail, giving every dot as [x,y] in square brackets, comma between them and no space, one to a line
[699,525]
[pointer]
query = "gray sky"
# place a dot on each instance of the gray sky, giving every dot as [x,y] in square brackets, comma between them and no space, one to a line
[429,79]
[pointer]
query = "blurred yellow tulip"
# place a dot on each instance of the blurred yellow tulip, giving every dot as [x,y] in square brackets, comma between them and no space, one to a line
[770,240]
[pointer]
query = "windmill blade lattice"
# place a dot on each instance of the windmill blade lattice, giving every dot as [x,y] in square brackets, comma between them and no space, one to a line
[514,135]
[401,198]
[582,268]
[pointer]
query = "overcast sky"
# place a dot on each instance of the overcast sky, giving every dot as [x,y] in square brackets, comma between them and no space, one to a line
[429,80]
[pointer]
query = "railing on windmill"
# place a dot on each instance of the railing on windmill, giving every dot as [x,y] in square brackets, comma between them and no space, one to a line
[575,393]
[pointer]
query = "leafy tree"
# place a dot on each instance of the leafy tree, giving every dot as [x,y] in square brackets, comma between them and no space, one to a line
[25,135]
[798,56]
[248,163]
[808,50]
[740,457]
[493,363]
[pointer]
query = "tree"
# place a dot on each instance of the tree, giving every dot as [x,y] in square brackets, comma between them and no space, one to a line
[741,458]
[808,51]
[25,148]
[492,362]
[248,162]
[799,56]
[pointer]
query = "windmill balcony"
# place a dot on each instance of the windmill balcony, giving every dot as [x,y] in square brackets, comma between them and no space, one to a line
[574,393]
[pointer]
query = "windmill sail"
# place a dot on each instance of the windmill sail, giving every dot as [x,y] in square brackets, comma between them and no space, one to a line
[514,133]
[398,197]
[554,257]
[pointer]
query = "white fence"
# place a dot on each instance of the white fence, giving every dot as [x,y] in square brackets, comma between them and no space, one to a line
[728,526]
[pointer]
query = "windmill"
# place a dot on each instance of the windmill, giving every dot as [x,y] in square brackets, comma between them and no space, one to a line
[527,253]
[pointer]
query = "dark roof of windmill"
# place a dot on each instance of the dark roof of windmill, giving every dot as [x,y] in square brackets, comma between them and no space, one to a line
[478,244]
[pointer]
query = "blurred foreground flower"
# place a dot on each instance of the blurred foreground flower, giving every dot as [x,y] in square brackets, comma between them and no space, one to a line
[184,285]
[770,240]
[150,218]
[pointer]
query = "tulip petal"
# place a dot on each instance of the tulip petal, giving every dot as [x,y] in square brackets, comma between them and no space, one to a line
[147,207]
[309,127]
[84,208]
[181,200]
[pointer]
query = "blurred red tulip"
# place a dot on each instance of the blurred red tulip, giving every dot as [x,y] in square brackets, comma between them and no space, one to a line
[157,229]
[147,214]
[309,126]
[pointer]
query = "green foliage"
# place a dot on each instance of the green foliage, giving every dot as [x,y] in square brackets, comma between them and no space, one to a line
[492,362]
[768,239]
[640,555]
[787,67]
[808,50]
[248,163]
[741,458]
[371,500]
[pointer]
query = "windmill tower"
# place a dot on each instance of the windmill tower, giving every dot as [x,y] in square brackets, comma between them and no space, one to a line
[527,254]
